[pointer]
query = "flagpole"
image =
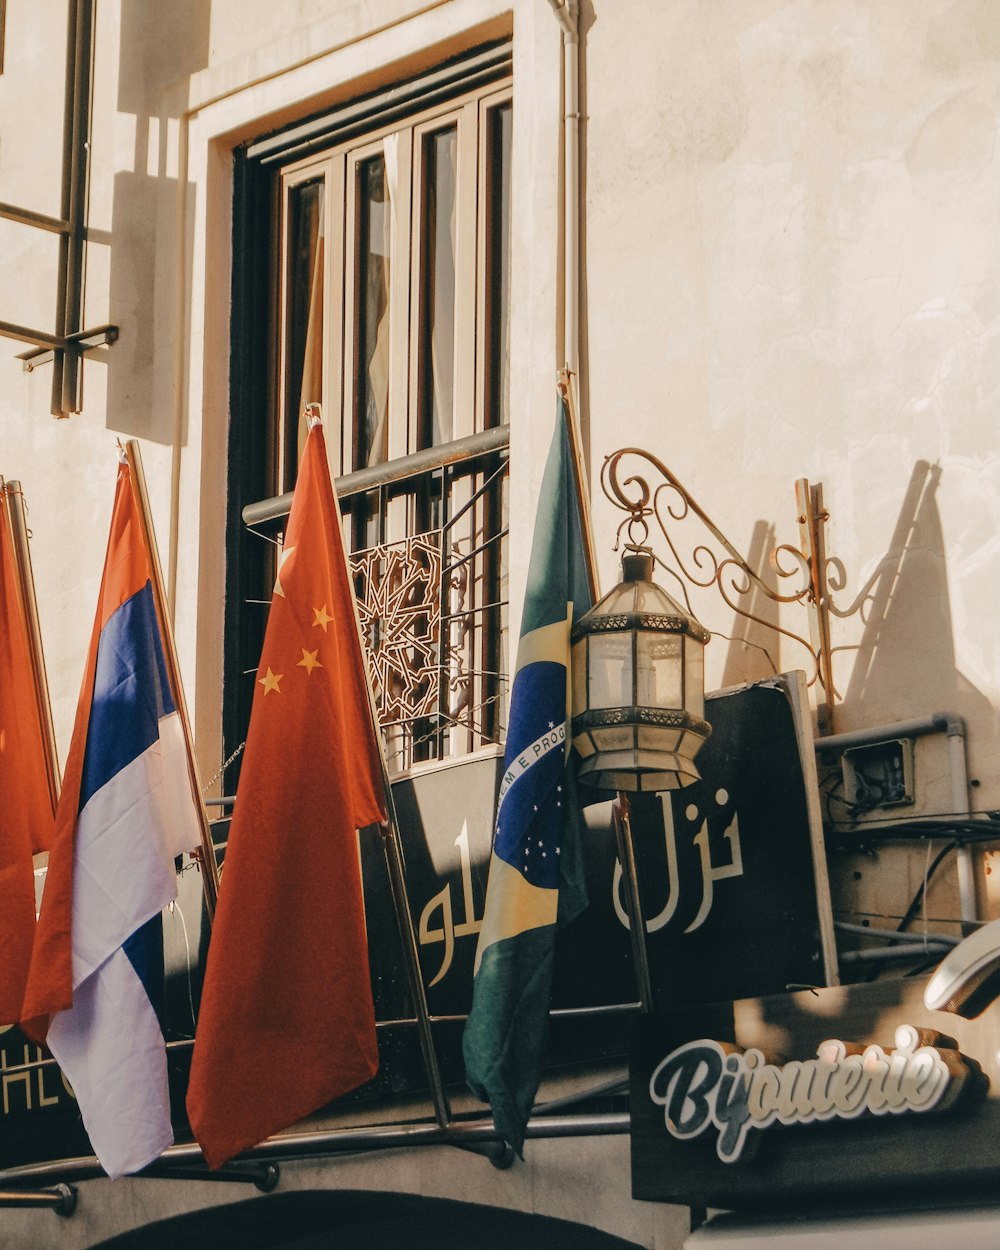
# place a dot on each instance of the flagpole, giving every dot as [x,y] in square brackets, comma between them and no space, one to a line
[14,504]
[392,846]
[621,817]
[209,864]
[564,381]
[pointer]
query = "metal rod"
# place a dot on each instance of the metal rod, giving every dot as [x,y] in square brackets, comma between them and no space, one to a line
[61,1199]
[346,1141]
[897,935]
[397,470]
[37,338]
[209,865]
[263,1176]
[79,168]
[473,498]
[17,520]
[877,954]
[392,847]
[811,517]
[630,883]
[28,217]
[66,179]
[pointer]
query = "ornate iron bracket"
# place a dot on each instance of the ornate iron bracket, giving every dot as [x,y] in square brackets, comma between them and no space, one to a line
[806,572]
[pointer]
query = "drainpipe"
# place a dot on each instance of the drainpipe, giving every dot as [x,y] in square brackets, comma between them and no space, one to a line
[567,12]
[939,722]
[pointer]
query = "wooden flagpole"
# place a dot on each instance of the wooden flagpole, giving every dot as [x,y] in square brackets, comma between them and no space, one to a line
[13,502]
[392,845]
[209,864]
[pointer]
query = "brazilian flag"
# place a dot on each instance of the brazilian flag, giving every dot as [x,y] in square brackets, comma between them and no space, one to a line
[536,878]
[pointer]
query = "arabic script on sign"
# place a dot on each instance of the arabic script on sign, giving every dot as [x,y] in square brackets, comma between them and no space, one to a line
[447,930]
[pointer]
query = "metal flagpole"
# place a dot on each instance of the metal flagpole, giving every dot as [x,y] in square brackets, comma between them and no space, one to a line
[17,520]
[621,817]
[393,848]
[209,864]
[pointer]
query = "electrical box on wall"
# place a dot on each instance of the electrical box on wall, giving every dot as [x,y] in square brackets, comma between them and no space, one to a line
[879,774]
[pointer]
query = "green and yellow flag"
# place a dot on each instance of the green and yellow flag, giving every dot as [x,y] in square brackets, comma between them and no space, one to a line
[536,879]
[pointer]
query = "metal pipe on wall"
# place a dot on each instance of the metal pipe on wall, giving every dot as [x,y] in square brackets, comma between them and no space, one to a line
[567,12]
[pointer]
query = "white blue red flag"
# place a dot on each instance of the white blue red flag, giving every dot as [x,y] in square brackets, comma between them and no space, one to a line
[126,810]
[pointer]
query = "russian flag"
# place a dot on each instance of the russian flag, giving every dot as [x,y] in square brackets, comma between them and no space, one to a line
[126,810]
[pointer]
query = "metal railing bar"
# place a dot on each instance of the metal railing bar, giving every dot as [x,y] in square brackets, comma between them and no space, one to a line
[555,1013]
[475,497]
[469,448]
[486,607]
[457,564]
[323,1143]
[61,1199]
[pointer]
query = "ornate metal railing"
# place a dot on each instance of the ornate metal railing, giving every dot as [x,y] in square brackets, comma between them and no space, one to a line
[430,575]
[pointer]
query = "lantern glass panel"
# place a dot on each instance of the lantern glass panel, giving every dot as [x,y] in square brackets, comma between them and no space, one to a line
[610,670]
[578,676]
[694,674]
[659,668]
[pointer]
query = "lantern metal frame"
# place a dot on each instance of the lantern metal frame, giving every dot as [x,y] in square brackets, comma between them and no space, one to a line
[642,763]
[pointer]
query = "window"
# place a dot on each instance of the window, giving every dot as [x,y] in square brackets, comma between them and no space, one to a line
[385,302]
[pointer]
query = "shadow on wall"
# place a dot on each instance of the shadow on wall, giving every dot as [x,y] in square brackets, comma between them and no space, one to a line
[378,1221]
[753,645]
[905,664]
[160,46]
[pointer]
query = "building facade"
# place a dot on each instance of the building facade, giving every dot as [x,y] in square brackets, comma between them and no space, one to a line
[762,235]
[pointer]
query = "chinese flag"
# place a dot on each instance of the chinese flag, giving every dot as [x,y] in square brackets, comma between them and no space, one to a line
[26,822]
[286,1021]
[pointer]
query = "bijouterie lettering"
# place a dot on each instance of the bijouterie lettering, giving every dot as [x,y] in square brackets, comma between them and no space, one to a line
[706,1084]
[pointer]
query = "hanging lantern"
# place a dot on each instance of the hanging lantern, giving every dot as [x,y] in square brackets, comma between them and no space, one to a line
[638,686]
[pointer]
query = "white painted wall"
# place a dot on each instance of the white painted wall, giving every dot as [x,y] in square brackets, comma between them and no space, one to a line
[789,269]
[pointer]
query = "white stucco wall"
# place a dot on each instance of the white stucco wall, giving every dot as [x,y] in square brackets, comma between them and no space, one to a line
[789,269]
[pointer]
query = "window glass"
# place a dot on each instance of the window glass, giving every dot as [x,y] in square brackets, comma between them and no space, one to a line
[303,321]
[498,264]
[373,347]
[438,337]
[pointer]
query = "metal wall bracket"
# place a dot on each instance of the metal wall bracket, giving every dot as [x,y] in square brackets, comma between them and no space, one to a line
[85,343]
[68,344]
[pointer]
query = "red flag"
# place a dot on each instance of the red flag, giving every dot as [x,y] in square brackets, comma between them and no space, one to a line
[286,1021]
[26,825]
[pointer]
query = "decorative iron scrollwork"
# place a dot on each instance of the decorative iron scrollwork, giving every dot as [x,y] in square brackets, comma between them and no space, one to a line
[805,576]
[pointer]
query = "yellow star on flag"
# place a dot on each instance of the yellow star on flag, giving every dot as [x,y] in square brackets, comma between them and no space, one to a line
[321,618]
[309,660]
[270,681]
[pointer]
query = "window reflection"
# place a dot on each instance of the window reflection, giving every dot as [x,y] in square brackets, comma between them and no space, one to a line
[498,265]
[437,365]
[375,228]
[304,323]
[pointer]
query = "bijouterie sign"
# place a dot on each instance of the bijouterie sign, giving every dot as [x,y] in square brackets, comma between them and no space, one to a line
[706,1085]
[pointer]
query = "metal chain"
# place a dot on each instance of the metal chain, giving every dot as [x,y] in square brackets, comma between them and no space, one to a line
[212,780]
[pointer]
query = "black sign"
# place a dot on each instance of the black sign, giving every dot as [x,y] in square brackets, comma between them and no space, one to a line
[855,1094]
[731,870]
